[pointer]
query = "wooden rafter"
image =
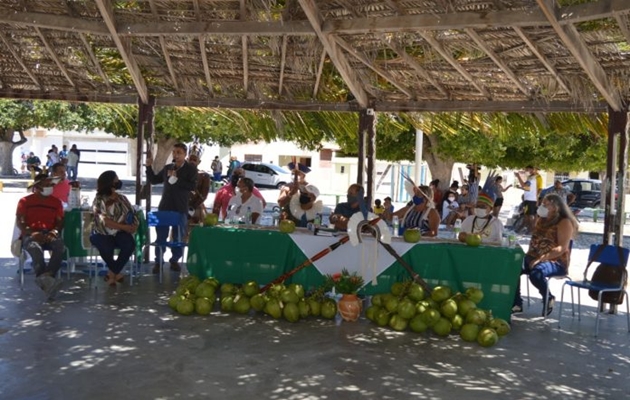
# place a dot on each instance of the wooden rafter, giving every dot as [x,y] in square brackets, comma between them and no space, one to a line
[167,56]
[202,49]
[244,47]
[622,21]
[371,65]
[539,54]
[97,64]
[283,60]
[454,63]
[341,63]
[320,70]
[574,43]
[53,55]
[394,6]
[105,8]
[413,63]
[17,57]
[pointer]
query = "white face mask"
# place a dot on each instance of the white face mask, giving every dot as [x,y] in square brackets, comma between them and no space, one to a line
[542,211]
[47,191]
[481,212]
[451,198]
[172,180]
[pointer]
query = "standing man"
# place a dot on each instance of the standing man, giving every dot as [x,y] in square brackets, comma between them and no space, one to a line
[566,196]
[76,151]
[530,197]
[217,169]
[196,208]
[63,154]
[234,165]
[39,217]
[179,179]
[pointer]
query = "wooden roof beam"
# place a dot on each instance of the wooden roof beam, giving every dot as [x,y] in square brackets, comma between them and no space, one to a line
[498,61]
[538,53]
[416,66]
[97,64]
[330,46]
[50,50]
[574,43]
[449,58]
[17,57]
[283,61]
[167,57]
[105,8]
[202,49]
[622,21]
[368,63]
[320,70]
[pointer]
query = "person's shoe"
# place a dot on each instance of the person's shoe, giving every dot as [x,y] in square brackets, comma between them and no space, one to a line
[156,268]
[175,266]
[42,282]
[54,288]
[550,303]
[517,309]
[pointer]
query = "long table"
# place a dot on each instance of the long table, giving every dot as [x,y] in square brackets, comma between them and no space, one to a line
[238,255]
[76,233]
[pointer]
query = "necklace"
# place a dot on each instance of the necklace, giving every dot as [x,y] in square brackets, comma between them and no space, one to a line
[483,228]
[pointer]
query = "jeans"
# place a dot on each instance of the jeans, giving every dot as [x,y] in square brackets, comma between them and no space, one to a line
[72,172]
[537,276]
[36,250]
[106,244]
[178,235]
[217,177]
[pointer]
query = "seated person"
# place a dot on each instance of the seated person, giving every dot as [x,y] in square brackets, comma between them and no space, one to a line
[62,189]
[343,211]
[303,206]
[549,249]
[483,222]
[299,180]
[113,225]
[466,205]
[39,217]
[450,208]
[244,200]
[387,204]
[33,163]
[225,194]
[378,208]
[420,213]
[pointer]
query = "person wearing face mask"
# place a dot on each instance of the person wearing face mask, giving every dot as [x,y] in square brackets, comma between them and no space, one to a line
[549,249]
[482,222]
[420,213]
[225,194]
[39,217]
[449,208]
[345,210]
[303,206]
[244,200]
[179,179]
[113,224]
[62,189]
[289,190]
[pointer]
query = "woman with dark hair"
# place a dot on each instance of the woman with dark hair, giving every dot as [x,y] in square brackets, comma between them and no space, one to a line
[549,249]
[113,225]
[244,201]
[420,213]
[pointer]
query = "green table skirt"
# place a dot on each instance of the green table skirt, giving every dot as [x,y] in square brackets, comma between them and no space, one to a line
[239,255]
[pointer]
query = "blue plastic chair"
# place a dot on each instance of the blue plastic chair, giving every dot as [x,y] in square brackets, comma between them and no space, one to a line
[611,255]
[167,218]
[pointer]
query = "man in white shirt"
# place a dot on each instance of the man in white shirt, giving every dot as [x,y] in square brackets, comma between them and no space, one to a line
[530,197]
[483,222]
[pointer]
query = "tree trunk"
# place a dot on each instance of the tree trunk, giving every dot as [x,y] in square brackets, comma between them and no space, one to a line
[7,146]
[440,168]
[162,152]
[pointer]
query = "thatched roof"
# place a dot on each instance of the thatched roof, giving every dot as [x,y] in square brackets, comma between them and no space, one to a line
[396,55]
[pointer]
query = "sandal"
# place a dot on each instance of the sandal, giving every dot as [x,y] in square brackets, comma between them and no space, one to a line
[120,278]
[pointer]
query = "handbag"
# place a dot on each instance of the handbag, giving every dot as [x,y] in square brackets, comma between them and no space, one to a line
[609,275]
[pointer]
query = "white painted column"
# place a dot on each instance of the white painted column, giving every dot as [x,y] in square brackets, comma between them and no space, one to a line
[418,159]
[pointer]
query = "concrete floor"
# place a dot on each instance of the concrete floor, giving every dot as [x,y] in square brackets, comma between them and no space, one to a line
[126,343]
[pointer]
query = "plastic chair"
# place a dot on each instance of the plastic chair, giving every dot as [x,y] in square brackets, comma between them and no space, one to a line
[549,278]
[162,219]
[611,255]
[22,262]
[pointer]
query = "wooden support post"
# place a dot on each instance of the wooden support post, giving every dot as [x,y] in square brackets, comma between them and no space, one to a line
[622,173]
[361,148]
[371,156]
[617,121]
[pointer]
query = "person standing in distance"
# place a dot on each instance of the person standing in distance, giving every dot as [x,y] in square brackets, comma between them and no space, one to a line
[179,179]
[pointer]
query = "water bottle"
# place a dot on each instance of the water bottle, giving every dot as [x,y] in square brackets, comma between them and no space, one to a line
[318,219]
[457,228]
[395,225]
[248,216]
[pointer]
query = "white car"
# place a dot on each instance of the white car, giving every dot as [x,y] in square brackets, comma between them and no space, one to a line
[264,174]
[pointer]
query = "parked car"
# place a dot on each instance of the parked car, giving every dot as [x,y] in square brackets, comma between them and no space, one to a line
[588,192]
[264,174]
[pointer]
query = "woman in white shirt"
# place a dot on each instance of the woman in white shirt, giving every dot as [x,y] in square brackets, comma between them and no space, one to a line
[244,200]
[483,222]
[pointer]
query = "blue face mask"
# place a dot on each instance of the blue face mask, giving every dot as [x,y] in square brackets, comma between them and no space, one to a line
[417,200]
